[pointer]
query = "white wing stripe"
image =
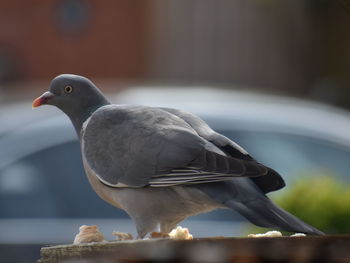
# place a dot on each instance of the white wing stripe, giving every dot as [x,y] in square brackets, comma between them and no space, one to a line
[187,178]
[167,184]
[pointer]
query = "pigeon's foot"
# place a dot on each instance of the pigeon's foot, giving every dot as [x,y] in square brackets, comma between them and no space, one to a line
[121,236]
[159,235]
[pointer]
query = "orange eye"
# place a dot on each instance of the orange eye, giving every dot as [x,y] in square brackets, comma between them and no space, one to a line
[68,89]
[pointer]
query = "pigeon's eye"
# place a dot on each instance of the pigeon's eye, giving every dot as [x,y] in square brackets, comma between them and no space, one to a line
[68,89]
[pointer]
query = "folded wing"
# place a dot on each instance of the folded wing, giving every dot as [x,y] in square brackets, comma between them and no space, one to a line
[271,181]
[138,146]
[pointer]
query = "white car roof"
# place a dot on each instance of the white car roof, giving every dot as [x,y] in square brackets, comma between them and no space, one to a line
[253,111]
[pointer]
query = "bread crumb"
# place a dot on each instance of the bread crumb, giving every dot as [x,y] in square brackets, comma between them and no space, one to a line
[88,234]
[159,235]
[180,233]
[298,235]
[267,234]
[121,236]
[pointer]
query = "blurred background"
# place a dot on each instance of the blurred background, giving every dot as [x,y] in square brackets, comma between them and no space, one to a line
[293,47]
[272,75]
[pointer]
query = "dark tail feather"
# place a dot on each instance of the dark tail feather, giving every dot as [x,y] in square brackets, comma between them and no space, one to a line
[264,213]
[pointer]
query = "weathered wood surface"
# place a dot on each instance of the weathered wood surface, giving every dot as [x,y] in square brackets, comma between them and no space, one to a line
[282,249]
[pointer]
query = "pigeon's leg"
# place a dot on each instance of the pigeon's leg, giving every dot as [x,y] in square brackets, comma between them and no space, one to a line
[144,226]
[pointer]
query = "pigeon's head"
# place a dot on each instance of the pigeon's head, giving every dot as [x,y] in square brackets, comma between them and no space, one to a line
[72,94]
[75,95]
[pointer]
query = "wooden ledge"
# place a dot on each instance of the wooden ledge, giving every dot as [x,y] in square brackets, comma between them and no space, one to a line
[280,249]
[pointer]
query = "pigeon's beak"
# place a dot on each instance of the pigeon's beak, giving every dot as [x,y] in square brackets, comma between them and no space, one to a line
[43,99]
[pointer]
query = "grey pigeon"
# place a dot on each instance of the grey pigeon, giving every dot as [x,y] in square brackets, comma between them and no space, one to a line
[163,165]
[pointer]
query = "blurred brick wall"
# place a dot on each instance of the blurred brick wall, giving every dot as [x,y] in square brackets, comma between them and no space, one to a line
[270,44]
[40,39]
[298,47]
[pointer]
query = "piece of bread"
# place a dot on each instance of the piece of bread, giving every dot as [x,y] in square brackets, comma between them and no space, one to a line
[88,234]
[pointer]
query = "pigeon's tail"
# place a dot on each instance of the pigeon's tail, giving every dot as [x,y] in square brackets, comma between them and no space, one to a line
[242,195]
[262,212]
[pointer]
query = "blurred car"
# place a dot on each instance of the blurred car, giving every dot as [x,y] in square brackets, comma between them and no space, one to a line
[45,195]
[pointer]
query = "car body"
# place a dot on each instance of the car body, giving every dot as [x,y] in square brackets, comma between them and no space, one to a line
[45,195]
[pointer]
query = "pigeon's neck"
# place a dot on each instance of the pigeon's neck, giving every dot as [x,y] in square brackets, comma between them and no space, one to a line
[80,116]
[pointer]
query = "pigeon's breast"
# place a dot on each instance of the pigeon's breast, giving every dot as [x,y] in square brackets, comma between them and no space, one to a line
[90,171]
[107,193]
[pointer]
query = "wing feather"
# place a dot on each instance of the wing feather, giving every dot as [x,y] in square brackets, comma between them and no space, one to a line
[269,180]
[138,146]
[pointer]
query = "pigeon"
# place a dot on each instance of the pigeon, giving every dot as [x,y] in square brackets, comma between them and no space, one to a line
[162,165]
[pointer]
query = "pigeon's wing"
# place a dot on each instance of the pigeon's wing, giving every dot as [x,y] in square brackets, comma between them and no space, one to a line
[272,181]
[137,146]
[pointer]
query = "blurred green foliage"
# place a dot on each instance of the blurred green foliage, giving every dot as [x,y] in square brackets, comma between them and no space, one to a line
[321,201]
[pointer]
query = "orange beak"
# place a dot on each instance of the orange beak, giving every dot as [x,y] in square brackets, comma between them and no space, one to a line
[43,99]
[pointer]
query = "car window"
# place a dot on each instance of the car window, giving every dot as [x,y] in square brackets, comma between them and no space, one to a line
[51,183]
[294,155]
